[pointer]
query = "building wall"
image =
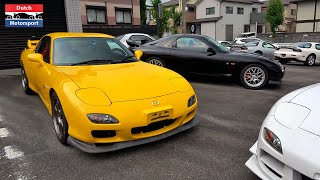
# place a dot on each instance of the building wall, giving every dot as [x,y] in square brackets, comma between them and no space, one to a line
[110,9]
[208,29]
[304,27]
[201,9]
[305,10]
[73,16]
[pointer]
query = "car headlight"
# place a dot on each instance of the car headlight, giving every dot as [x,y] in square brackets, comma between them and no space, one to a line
[192,100]
[273,140]
[102,119]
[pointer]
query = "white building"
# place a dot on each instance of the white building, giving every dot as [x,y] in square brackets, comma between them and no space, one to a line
[226,19]
[308,15]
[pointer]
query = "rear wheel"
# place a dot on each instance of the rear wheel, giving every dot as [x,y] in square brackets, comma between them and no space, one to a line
[25,82]
[254,76]
[311,60]
[60,123]
[156,61]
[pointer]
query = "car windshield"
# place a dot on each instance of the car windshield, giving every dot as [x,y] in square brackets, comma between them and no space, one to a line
[217,46]
[90,50]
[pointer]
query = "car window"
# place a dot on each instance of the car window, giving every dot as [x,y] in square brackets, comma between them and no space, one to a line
[318,46]
[68,51]
[141,39]
[225,44]
[251,44]
[43,48]
[302,45]
[267,45]
[191,44]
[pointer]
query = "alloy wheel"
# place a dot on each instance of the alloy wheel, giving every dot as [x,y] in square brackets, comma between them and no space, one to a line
[310,60]
[58,122]
[24,80]
[156,62]
[254,76]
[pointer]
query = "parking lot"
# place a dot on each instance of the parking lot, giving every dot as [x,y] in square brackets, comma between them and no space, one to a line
[217,148]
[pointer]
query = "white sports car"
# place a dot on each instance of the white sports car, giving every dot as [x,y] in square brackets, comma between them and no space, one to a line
[289,140]
[306,52]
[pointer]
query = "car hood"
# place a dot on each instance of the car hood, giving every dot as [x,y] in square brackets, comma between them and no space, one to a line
[299,109]
[310,99]
[124,82]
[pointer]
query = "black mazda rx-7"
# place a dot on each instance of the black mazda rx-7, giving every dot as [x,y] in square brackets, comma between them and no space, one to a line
[199,54]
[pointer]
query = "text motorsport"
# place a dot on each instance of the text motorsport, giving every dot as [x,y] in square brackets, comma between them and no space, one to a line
[24,15]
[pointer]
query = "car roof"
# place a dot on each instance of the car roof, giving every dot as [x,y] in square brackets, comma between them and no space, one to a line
[71,34]
[248,33]
[137,34]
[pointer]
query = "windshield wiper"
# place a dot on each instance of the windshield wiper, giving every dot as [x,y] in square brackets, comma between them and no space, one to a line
[125,60]
[94,61]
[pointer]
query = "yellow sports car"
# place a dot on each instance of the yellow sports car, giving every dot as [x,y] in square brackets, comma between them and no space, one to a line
[102,97]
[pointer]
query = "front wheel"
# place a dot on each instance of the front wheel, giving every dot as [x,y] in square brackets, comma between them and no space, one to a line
[254,76]
[60,123]
[156,61]
[25,82]
[311,60]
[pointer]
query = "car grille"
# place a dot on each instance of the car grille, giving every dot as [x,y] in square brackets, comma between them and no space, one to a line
[152,127]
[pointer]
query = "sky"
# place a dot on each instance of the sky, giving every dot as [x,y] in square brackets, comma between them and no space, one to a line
[148,1]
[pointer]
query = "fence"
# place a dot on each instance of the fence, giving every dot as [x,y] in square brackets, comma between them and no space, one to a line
[117,30]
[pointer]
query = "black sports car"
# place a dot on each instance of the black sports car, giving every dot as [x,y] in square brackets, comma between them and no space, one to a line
[23,16]
[190,53]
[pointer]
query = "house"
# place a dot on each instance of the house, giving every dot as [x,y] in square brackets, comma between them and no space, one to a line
[110,12]
[226,19]
[289,15]
[308,15]
[149,8]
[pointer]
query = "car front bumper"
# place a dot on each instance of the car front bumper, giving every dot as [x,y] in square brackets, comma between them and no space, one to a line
[299,158]
[94,148]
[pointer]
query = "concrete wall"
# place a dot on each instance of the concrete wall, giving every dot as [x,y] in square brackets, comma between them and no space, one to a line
[292,37]
[208,29]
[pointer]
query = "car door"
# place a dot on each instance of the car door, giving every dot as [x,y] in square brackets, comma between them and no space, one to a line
[43,69]
[268,50]
[193,56]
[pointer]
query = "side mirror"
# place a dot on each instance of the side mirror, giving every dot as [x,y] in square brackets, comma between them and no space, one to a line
[132,43]
[35,57]
[138,54]
[211,51]
[31,44]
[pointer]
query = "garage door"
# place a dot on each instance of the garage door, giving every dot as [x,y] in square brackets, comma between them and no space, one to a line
[13,40]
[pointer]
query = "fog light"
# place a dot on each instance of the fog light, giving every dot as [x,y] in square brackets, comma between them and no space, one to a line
[102,119]
[192,100]
[273,140]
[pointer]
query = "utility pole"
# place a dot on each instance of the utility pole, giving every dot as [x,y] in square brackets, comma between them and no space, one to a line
[184,18]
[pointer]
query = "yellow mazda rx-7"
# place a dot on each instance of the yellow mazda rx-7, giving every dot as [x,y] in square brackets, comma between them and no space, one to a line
[102,97]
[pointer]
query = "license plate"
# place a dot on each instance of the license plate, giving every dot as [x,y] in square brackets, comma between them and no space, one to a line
[159,115]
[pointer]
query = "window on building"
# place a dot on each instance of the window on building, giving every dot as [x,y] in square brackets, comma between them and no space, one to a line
[210,10]
[229,10]
[240,10]
[246,28]
[293,12]
[96,14]
[191,9]
[259,29]
[254,10]
[123,16]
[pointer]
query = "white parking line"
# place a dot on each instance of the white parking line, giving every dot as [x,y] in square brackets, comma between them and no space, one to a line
[4,132]
[12,153]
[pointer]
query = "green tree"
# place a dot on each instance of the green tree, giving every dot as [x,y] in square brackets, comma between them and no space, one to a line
[143,15]
[275,14]
[176,17]
[162,22]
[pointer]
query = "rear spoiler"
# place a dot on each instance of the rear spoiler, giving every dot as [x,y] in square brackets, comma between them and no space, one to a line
[31,44]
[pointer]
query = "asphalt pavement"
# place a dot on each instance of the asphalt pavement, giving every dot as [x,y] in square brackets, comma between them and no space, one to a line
[230,119]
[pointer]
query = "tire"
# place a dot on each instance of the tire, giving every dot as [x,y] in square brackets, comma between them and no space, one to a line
[59,120]
[283,61]
[254,76]
[156,61]
[25,82]
[311,60]
[259,53]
